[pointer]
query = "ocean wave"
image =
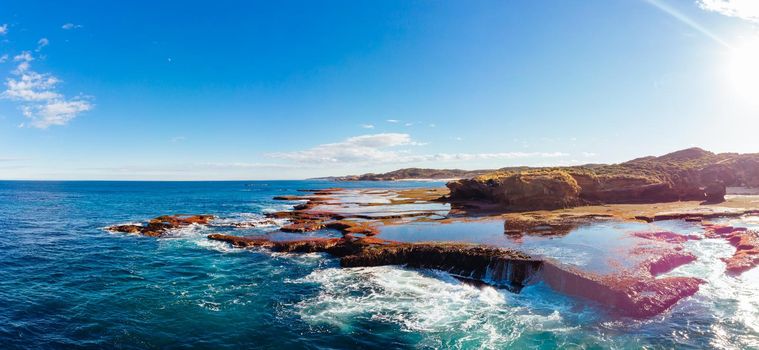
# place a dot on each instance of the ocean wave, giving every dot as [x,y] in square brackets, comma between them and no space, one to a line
[448,312]
[248,220]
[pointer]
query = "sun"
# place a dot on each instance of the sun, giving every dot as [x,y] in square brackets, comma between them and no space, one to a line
[744,70]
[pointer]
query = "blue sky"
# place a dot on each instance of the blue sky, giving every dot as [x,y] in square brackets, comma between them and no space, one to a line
[295,89]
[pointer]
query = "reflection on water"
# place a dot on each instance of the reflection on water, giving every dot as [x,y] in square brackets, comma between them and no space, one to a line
[600,247]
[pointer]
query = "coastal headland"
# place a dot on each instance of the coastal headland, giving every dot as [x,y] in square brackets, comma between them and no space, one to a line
[590,232]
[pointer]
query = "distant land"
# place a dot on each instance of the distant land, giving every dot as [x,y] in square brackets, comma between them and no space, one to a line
[420,174]
[689,174]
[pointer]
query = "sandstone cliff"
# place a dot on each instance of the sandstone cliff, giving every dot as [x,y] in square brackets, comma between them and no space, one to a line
[690,174]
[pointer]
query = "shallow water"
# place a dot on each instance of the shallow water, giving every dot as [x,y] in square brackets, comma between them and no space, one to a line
[601,247]
[66,283]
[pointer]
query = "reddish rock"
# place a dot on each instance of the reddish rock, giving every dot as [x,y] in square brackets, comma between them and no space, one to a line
[666,236]
[303,226]
[746,244]
[638,296]
[157,227]
[669,262]
[354,227]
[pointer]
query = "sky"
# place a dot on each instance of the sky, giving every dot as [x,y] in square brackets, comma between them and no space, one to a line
[226,90]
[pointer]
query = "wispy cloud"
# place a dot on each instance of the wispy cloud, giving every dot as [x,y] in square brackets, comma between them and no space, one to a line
[69,26]
[4,58]
[367,126]
[394,121]
[745,9]
[3,29]
[449,157]
[388,148]
[661,5]
[364,148]
[176,139]
[42,43]
[38,97]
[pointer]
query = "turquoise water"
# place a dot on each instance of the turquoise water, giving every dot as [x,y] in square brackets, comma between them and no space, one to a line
[66,283]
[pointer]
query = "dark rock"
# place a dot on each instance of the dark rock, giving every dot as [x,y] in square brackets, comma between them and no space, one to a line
[715,192]
[157,227]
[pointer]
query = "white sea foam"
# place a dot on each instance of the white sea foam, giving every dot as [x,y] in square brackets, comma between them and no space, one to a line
[731,300]
[448,312]
[249,220]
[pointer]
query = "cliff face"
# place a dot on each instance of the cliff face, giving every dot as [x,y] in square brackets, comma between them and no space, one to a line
[691,174]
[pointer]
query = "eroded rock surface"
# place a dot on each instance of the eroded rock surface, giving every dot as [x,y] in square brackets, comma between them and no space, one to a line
[503,267]
[746,243]
[630,296]
[691,174]
[158,226]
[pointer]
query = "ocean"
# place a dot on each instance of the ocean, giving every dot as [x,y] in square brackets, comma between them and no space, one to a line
[65,282]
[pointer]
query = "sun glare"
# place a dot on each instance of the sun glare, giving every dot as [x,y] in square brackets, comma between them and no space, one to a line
[744,70]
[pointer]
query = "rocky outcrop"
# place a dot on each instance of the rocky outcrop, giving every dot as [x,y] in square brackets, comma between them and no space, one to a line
[629,295]
[746,243]
[692,174]
[501,267]
[666,236]
[715,192]
[638,297]
[159,226]
[497,266]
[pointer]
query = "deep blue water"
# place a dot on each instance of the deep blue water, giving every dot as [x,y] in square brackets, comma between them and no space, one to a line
[66,283]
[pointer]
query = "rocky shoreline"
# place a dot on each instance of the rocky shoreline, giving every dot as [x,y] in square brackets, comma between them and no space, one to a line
[637,292]
[688,175]
[688,185]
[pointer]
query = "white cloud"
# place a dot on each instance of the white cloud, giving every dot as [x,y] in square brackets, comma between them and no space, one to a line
[56,112]
[42,43]
[3,58]
[745,9]
[367,126]
[3,29]
[393,121]
[364,148]
[448,157]
[409,124]
[36,93]
[31,86]
[385,148]
[69,26]
[589,154]
[24,56]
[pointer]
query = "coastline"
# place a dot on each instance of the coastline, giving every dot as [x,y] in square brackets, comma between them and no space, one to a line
[363,216]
